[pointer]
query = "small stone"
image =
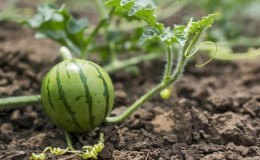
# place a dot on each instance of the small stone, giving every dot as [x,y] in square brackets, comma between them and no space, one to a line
[6,128]
[3,82]
[15,115]
[121,96]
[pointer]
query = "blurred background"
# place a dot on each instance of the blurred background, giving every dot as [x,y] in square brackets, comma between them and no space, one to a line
[236,30]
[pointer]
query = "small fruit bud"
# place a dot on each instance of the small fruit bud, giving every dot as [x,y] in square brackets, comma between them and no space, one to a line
[165,94]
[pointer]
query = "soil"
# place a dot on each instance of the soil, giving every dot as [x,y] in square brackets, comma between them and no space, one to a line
[213,113]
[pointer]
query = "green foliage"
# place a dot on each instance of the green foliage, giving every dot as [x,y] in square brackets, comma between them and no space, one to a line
[59,25]
[140,9]
[189,36]
[156,30]
[193,32]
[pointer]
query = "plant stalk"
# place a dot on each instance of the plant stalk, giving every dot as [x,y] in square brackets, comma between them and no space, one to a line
[120,64]
[168,67]
[136,105]
[19,101]
[147,96]
[65,53]
[69,144]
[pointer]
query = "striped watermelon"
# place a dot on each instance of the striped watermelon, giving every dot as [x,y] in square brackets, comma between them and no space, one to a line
[77,95]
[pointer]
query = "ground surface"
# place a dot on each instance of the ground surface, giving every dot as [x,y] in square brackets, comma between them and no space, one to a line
[213,113]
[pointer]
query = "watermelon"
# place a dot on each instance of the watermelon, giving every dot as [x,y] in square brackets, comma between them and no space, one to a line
[77,95]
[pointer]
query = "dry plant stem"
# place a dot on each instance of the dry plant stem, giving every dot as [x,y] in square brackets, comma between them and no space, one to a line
[147,96]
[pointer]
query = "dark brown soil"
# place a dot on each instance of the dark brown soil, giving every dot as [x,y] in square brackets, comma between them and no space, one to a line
[213,113]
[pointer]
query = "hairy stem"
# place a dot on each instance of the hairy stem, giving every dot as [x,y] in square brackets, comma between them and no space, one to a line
[168,67]
[147,96]
[136,104]
[19,101]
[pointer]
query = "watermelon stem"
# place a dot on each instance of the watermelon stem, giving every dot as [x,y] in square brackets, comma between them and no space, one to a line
[65,53]
[14,102]
[168,79]
[168,66]
[101,138]
[69,144]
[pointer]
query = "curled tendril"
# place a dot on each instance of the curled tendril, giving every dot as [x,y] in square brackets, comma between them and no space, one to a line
[55,151]
[58,151]
[212,57]
[37,156]
[196,50]
[91,151]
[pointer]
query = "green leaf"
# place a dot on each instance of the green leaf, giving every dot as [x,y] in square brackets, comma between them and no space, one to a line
[60,26]
[149,33]
[141,9]
[203,24]
[185,36]
[179,34]
[194,30]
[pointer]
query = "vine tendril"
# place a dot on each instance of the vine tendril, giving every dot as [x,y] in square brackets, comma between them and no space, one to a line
[212,57]
[193,53]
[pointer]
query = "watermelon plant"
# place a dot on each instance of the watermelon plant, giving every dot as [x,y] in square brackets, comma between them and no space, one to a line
[77,95]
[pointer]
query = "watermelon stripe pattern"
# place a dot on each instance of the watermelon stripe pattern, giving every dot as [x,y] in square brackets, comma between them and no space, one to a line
[106,92]
[49,95]
[64,100]
[87,94]
[77,95]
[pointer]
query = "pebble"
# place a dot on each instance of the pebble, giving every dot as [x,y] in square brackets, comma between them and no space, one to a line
[3,82]
[15,115]
[6,128]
